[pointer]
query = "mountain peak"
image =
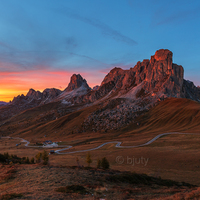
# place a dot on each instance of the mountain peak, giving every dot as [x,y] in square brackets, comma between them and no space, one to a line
[34,94]
[31,92]
[163,54]
[76,81]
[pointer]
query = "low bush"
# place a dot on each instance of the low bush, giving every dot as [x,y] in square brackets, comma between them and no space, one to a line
[72,189]
[32,160]
[88,159]
[103,163]
[143,179]
[10,196]
[42,157]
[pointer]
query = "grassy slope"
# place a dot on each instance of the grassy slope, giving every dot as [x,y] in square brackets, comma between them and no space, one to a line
[170,115]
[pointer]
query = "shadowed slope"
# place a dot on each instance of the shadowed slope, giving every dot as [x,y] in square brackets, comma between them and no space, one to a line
[172,115]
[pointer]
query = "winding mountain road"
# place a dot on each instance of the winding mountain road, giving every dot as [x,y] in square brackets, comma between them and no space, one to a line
[118,144]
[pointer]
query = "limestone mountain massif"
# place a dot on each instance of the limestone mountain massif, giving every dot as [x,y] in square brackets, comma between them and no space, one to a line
[158,77]
[122,96]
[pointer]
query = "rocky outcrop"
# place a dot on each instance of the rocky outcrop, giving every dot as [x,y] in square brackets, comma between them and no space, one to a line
[76,82]
[160,74]
[34,94]
[49,95]
[190,91]
[95,87]
[114,75]
[77,87]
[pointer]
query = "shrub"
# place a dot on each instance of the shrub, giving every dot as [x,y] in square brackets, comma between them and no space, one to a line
[77,160]
[2,158]
[10,196]
[42,156]
[38,157]
[10,163]
[88,159]
[27,160]
[72,189]
[6,155]
[32,160]
[45,157]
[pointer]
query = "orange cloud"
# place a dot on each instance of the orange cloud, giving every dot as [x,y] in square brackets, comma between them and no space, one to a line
[15,83]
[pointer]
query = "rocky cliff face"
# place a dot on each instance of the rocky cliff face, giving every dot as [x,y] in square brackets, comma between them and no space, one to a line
[76,82]
[158,77]
[95,87]
[159,74]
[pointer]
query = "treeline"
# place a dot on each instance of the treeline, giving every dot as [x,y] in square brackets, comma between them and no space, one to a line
[41,157]
[6,158]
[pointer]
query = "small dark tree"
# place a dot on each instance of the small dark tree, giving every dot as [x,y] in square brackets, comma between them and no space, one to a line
[27,160]
[104,163]
[45,157]
[98,163]
[24,159]
[88,159]
[6,155]
[38,157]
[77,160]
[32,160]
[2,158]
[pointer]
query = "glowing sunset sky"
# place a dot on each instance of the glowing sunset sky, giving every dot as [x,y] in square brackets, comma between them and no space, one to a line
[44,42]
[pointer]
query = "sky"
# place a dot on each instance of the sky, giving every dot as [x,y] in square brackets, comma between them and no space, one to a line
[43,43]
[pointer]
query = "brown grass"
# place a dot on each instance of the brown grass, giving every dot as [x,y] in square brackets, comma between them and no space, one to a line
[41,182]
[7,173]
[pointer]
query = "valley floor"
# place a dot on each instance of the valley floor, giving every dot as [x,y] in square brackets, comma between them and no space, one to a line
[174,157]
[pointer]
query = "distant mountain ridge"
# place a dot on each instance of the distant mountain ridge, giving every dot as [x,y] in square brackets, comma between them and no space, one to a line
[2,103]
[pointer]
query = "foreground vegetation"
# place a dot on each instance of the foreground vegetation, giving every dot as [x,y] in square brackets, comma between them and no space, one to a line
[10,196]
[6,158]
[41,182]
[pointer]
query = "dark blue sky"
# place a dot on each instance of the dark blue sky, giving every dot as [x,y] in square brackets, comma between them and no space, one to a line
[43,42]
